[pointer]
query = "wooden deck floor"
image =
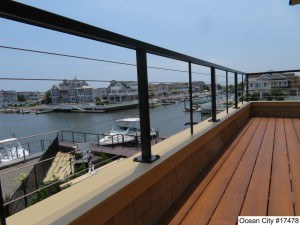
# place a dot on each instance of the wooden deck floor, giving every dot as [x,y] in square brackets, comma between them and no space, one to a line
[258,175]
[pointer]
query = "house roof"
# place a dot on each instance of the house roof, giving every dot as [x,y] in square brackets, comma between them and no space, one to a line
[277,76]
[86,87]
[273,76]
[264,77]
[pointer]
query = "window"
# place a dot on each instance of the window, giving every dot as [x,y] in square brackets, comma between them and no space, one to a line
[251,84]
[265,84]
[279,83]
[133,129]
[256,85]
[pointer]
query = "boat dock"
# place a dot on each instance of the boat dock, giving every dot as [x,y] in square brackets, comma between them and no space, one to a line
[116,150]
[92,108]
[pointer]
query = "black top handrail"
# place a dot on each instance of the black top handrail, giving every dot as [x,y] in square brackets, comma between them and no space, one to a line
[27,14]
[271,72]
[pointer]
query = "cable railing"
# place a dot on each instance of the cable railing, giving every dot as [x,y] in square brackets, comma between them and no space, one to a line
[93,59]
[32,186]
[237,90]
[37,17]
[38,183]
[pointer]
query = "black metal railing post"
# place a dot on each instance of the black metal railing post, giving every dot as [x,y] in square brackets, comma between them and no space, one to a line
[44,168]
[2,208]
[98,140]
[227,92]
[25,192]
[137,140]
[142,77]
[36,177]
[42,145]
[191,98]
[17,153]
[247,87]
[28,146]
[24,156]
[62,135]
[242,88]
[213,95]
[236,91]
[73,140]
[71,167]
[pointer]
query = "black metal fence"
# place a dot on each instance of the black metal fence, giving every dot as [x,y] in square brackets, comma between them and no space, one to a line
[30,15]
[108,140]
[32,185]
[22,13]
[34,175]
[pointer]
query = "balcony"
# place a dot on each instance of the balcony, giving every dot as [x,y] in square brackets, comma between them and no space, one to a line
[242,165]
[240,162]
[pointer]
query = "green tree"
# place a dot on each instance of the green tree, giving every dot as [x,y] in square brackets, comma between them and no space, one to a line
[206,88]
[231,88]
[277,93]
[21,98]
[268,96]
[219,86]
[254,96]
[48,97]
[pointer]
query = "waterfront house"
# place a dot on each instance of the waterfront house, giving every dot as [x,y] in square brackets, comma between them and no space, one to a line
[262,84]
[1,100]
[162,88]
[198,86]
[120,91]
[8,97]
[99,93]
[72,91]
[32,96]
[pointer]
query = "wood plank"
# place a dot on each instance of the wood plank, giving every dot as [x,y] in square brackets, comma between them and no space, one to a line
[206,204]
[280,200]
[183,206]
[230,205]
[296,123]
[256,201]
[293,146]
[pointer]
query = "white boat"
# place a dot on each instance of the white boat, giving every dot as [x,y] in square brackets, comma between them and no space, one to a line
[11,149]
[126,131]
[42,111]
[188,109]
[154,103]
[24,111]
[11,110]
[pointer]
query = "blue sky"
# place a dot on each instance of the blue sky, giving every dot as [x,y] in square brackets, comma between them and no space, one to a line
[245,35]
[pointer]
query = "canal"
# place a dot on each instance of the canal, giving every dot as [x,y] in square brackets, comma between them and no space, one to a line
[169,119]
